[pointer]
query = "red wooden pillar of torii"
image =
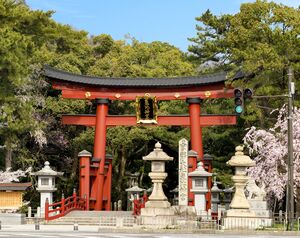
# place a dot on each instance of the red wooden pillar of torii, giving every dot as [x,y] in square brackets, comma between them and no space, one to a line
[196,139]
[99,152]
[84,173]
[195,129]
[108,182]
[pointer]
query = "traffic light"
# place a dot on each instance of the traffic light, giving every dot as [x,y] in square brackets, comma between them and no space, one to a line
[238,100]
[248,93]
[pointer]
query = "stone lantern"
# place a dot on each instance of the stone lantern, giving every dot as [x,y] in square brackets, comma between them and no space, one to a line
[239,214]
[46,185]
[227,196]
[200,188]
[215,197]
[157,204]
[239,204]
[133,193]
[175,196]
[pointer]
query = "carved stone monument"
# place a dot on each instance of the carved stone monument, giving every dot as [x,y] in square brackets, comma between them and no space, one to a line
[183,173]
[157,211]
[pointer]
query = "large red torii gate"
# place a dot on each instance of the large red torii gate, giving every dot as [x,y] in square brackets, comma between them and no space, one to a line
[103,90]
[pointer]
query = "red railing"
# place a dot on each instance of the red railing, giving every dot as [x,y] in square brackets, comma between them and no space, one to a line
[138,204]
[59,209]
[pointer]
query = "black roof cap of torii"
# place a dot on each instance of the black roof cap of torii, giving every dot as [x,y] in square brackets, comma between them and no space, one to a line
[57,74]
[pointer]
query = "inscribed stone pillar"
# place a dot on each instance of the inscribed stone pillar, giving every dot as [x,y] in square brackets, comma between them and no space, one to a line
[183,173]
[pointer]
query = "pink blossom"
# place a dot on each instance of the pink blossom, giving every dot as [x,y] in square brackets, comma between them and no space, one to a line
[270,151]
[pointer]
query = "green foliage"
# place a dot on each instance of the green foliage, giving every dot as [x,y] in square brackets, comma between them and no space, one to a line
[261,40]
[154,59]
[32,110]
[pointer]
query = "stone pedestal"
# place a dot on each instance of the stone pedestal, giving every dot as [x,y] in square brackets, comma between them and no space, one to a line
[157,211]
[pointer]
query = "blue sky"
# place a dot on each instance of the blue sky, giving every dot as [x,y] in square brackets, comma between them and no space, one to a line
[171,21]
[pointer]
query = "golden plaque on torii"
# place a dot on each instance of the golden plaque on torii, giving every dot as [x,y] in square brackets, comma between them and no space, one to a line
[146,110]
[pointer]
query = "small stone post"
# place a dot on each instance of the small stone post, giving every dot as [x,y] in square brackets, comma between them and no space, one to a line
[29,212]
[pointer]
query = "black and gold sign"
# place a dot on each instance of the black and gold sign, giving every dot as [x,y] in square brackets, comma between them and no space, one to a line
[146,109]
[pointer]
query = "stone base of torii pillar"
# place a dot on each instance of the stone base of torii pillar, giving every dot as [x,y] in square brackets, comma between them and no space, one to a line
[158,211]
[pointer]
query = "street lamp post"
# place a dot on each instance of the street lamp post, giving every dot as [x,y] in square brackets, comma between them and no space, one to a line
[290,182]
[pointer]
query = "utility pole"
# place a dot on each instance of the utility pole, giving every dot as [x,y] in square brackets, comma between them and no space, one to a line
[290,182]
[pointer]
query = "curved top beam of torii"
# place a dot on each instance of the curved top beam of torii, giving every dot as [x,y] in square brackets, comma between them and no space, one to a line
[87,87]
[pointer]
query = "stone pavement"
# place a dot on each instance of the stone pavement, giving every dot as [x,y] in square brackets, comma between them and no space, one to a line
[57,228]
[68,230]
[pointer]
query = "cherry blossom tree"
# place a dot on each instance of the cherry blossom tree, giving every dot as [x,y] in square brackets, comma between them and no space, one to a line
[269,148]
[8,176]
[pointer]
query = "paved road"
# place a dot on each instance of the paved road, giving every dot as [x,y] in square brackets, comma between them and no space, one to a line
[78,234]
[66,231]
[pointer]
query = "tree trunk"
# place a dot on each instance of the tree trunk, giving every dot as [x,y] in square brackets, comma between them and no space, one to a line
[298,203]
[122,166]
[8,157]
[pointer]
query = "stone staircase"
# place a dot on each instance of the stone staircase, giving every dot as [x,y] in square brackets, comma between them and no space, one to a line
[97,218]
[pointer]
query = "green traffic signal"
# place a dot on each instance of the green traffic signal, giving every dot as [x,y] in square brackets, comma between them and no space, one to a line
[239,109]
[239,98]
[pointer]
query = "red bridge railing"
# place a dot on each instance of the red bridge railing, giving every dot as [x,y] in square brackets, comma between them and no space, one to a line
[59,209]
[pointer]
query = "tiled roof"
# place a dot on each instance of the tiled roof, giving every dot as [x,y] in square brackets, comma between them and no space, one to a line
[14,186]
[53,73]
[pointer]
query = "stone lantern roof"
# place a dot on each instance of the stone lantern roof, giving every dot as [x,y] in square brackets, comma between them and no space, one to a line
[135,188]
[157,154]
[215,188]
[229,190]
[47,171]
[240,160]
[200,171]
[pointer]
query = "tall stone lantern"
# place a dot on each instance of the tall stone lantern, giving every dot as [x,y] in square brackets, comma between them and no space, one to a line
[215,197]
[133,193]
[46,185]
[157,204]
[239,205]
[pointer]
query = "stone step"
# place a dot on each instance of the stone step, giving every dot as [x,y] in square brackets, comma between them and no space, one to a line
[99,213]
[102,218]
